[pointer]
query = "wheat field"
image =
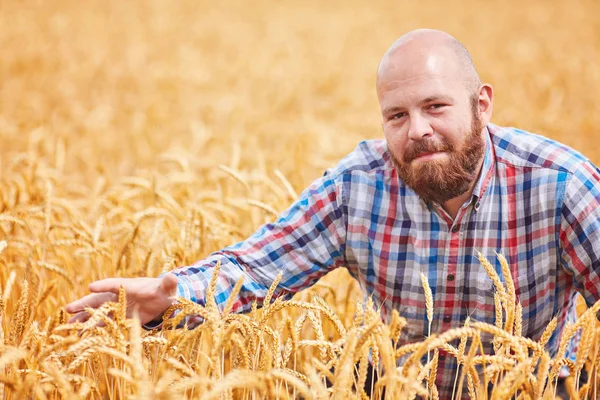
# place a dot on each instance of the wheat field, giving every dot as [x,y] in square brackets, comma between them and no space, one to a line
[139,136]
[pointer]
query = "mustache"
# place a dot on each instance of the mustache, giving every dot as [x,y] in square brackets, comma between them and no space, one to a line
[424,147]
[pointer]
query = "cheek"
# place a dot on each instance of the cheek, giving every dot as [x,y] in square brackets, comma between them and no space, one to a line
[395,140]
[451,130]
[447,122]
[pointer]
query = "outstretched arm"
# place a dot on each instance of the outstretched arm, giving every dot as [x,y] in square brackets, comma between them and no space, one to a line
[304,243]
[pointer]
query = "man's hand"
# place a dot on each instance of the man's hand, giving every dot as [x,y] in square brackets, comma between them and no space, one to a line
[150,296]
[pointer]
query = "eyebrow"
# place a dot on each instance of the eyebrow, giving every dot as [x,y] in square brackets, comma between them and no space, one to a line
[431,99]
[391,110]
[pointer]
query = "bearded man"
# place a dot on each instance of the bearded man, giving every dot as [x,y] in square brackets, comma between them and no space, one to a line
[444,184]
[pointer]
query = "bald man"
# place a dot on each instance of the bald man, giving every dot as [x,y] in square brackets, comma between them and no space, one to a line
[444,184]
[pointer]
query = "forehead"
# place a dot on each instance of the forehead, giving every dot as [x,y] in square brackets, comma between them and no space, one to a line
[411,71]
[399,90]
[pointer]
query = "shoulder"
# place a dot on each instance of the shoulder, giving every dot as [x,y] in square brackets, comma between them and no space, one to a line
[369,156]
[520,148]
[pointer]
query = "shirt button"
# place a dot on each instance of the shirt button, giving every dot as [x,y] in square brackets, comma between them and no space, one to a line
[450,277]
[455,228]
[447,318]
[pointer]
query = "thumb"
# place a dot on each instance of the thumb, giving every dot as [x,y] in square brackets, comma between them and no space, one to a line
[168,285]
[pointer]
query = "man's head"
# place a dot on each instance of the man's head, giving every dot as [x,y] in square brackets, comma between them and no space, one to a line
[434,111]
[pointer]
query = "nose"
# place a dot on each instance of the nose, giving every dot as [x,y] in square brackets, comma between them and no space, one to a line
[419,127]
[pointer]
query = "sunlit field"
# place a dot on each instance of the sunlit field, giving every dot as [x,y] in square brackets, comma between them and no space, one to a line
[139,136]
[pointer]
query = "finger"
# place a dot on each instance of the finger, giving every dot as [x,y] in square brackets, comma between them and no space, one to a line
[112,285]
[81,316]
[93,300]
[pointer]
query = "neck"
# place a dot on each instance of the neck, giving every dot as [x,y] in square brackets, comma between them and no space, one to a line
[452,206]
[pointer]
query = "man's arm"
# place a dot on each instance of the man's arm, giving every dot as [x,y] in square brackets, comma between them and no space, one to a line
[580,231]
[306,242]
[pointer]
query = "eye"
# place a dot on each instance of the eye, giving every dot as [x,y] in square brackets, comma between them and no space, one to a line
[398,115]
[436,106]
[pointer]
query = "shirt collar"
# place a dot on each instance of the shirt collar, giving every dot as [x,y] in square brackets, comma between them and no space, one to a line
[487,170]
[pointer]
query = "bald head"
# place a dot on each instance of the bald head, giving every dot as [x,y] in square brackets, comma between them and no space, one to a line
[428,51]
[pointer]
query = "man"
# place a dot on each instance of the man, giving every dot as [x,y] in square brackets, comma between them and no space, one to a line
[443,185]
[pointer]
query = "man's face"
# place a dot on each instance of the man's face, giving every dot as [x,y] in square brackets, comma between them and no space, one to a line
[434,134]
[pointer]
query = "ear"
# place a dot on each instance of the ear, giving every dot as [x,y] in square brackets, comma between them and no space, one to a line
[485,103]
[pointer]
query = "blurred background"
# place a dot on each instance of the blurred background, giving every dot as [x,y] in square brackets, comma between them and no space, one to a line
[112,85]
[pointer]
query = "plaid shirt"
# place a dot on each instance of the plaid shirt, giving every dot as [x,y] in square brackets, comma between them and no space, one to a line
[536,201]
